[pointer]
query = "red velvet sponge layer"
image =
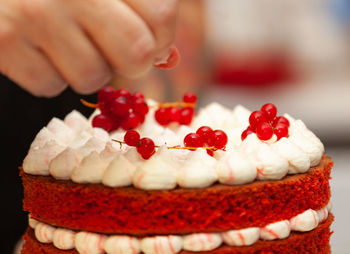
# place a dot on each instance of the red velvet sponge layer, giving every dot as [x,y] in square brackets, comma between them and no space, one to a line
[313,242]
[94,207]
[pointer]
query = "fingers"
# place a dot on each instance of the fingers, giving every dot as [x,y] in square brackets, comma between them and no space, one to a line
[69,49]
[121,35]
[160,16]
[82,42]
[27,66]
[130,44]
[172,60]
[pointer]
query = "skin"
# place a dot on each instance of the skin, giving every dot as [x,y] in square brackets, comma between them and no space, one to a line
[46,45]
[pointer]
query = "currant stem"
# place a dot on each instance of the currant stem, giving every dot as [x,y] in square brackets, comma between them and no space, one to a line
[212,148]
[160,105]
[176,104]
[88,104]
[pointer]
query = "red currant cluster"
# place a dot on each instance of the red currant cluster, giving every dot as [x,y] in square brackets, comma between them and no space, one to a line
[181,112]
[119,108]
[145,146]
[265,123]
[206,137]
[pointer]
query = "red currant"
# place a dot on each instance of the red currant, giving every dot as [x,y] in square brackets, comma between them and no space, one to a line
[246,132]
[190,98]
[123,92]
[270,111]
[162,116]
[120,106]
[207,134]
[193,140]
[281,130]
[257,117]
[102,121]
[131,138]
[139,106]
[131,121]
[220,138]
[138,95]
[281,120]
[264,131]
[186,116]
[106,94]
[175,114]
[146,148]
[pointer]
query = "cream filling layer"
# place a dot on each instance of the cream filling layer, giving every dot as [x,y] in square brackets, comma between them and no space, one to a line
[72,149]
[94,243]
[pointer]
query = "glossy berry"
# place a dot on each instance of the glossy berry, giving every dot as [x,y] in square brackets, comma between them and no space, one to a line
[123,92]
[131,121]
[139,106]
[120,106]
[220,138]
[186,116]
[105,97]
[193,140]
[264,131]
[270,111]
[281,120]
[207,134]
[146,148]
[245,133]
[281,130]
[256,117]
[131,138]
[138,95]
[174,114]
[106,94]
[190,98]
[102,121]
[162,116]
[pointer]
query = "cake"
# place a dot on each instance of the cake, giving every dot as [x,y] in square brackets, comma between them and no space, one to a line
[219,181]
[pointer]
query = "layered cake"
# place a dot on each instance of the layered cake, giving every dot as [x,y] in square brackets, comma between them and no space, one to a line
[156,178]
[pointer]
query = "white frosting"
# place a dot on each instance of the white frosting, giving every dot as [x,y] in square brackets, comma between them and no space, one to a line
[44,232]
[202,241]
[62,165]
[32,222]
[242,237]
[61,131]
[155,173]
[276,230]
[72,149]
[122,245]
[119,172]
[161,244]
[37,160]
[298,160]
[322,214]
[198,171]
[234,168]
[305,221]
[76,121]
[43,136]
[64,239]
[90,170]
[87,242]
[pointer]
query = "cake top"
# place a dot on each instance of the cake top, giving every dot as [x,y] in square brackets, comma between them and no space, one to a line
[169,146]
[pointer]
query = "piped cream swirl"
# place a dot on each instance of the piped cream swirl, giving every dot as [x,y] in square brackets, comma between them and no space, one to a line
[72,149]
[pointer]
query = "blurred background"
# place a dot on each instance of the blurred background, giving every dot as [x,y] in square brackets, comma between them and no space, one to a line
[295,54]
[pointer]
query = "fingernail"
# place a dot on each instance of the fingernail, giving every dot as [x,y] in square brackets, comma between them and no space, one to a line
[169,61]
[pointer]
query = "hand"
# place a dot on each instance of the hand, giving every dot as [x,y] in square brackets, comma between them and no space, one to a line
[47,44]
